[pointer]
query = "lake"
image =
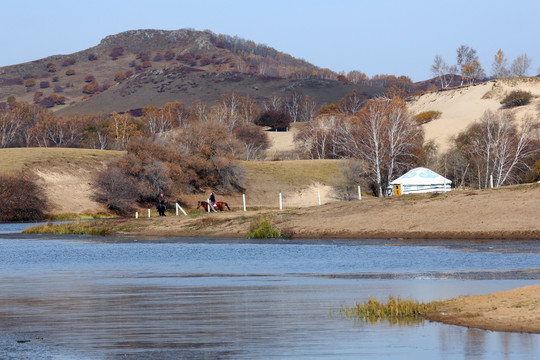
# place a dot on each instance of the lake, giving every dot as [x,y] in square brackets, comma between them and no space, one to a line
[74,297]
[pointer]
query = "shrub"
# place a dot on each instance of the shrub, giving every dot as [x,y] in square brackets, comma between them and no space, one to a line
[169,55]
[119,76]
[261,228]
[68,62]
[278,120]
[116,52]
[427,116]
[92,57]
[21,199]
[90,88]
[89,78]
[51,68]
[70,72]
[116,189]
[44,84]
[517,98]
[206,61]
[30,83]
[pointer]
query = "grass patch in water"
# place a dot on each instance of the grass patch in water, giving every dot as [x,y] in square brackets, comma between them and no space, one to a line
[395,308]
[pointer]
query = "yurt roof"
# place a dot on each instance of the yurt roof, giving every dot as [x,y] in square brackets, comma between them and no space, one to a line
[421,176]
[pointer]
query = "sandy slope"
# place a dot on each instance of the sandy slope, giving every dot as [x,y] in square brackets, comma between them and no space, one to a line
[462,106]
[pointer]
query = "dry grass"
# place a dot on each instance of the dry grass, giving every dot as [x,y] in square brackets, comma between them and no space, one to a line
[13,160]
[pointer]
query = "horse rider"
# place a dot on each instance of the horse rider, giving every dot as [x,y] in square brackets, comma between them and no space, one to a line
[212,201]
[161,207]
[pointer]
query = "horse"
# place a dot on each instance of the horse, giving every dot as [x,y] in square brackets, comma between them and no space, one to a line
[220,205]
[161,209]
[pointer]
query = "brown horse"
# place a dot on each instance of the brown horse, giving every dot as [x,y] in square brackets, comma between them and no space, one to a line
[220,205]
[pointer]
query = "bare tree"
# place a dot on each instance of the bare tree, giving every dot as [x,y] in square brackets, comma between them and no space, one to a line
[521,65]
[254,139]
[292,104]
[9,127]
[495,147]
[308,109]
[351,103]
[443,71]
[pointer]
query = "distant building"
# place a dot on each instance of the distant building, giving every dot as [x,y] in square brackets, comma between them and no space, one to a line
[419,180]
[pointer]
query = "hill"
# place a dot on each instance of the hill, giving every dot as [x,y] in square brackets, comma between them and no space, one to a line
[151,67]
[461,106]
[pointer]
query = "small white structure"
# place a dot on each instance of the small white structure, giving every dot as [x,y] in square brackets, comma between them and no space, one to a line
[419,180]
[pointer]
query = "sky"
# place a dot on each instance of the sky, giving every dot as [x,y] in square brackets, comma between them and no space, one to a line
[398,37]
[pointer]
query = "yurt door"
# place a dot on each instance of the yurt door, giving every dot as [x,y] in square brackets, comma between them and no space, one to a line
[397,189]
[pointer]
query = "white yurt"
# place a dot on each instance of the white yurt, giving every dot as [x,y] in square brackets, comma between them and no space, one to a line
[419,180]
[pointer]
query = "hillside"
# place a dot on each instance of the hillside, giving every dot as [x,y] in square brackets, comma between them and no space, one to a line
[66,173]
[151,67]
[462,106]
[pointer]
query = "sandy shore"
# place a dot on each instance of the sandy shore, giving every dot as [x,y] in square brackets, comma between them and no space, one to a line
[515,310]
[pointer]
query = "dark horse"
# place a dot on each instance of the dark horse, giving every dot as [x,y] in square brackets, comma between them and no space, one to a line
[161,207]
[220,205]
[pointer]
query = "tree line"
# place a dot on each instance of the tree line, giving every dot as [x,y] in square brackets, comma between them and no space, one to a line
[470,70]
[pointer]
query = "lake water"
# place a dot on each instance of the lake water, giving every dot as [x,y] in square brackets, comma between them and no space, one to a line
[82,298]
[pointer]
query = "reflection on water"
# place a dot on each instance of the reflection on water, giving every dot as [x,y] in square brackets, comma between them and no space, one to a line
[183,300]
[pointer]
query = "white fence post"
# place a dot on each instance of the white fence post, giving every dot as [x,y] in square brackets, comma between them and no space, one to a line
[319,195]
[244,201]
[148,212]
[491,181]
[280,202]
[136,214]
[179,207]
[359,193]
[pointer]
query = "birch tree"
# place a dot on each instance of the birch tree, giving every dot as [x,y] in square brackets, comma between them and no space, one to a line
[521,65]
[499,68]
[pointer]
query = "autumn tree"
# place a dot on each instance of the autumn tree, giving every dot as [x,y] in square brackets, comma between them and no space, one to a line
[122,128]
[351,103]
[499,68]
[357,77]
[177,112]
[469,64]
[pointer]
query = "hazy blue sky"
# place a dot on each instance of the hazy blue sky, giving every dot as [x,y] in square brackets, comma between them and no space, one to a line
[399,37]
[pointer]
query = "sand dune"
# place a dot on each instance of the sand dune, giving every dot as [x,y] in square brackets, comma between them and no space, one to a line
[463,106]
